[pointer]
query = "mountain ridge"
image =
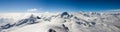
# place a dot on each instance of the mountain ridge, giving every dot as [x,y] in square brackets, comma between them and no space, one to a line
[65,22]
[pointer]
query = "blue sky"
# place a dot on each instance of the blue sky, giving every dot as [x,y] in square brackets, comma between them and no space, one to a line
[58,5]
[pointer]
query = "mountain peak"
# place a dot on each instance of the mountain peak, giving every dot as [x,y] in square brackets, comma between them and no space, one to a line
[65,15]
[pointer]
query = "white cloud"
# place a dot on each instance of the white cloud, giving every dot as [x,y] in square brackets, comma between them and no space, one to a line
[32,10]
[113,10]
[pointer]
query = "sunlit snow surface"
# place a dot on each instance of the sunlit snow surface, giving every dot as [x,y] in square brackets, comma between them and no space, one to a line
[60,22]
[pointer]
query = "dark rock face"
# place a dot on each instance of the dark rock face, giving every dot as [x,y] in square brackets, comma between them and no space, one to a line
[22,22]
[7,26]
[117,26]
[76,18]
[79,23]
[65,15]
[51,30]
[93,23]
[86,15]
[30,20]
[38,17]
[66,28]
[85,23]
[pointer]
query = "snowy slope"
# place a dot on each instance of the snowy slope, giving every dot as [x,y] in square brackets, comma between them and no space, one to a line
[60,22]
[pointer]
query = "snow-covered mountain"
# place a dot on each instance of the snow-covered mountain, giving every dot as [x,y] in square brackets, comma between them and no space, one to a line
[60,22]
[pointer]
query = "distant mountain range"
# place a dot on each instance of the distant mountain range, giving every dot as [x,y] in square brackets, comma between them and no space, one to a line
[60,22]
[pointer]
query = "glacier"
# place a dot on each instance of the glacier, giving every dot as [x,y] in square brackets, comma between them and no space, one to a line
[60,22]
